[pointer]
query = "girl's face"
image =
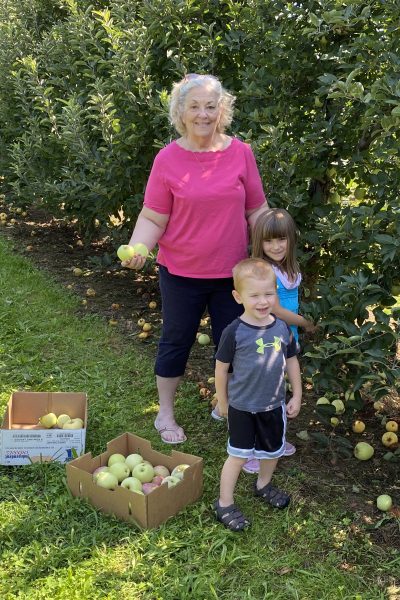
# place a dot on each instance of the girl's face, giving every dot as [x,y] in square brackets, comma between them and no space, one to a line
[276,249]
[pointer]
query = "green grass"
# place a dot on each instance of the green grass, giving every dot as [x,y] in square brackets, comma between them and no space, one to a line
[54,546]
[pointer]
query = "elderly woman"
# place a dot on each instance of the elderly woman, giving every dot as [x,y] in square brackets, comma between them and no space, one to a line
[203,191]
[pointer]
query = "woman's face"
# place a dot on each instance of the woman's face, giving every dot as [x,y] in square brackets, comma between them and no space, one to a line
[201,113]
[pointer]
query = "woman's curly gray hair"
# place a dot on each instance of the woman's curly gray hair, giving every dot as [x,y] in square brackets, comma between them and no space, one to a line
[178,96]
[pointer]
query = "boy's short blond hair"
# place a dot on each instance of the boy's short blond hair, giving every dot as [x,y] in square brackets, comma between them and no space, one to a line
[255,268]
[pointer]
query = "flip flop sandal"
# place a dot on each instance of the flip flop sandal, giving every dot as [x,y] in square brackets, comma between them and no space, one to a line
[162,430]
[272,495]
[231,517]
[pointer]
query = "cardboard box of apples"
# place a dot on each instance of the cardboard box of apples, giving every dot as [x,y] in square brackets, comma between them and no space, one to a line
[43,426]
[136,483]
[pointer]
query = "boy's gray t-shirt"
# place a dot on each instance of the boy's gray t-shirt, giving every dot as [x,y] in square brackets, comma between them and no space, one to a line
[258,356]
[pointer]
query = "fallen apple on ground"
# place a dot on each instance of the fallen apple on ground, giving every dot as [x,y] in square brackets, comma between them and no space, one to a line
[384,502]
[339,406]
[358,426]
[363,451]
[322,400]
[392,426]
[389,438]
[48,421]
[203,339]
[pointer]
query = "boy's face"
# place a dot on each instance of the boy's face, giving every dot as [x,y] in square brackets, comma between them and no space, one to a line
[258,297]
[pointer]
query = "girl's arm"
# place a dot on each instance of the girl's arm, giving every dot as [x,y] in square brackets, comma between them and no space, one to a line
[149,227]
[294,375]
[292,318]
[252,215]
[221,387]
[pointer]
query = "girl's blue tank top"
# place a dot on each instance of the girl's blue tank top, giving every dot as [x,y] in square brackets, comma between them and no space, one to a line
[289,299]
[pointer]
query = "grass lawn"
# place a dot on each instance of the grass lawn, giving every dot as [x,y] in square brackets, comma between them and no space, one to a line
[56,547]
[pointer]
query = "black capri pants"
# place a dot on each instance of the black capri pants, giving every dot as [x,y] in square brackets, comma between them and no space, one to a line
[184,301]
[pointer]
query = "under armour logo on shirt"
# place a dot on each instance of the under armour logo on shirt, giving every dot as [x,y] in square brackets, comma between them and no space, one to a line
[276,345]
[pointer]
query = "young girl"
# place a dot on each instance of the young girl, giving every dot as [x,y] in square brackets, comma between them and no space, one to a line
[275,240]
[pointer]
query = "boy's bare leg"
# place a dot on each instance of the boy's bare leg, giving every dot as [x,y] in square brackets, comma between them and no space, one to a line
[267,468]
[229,476]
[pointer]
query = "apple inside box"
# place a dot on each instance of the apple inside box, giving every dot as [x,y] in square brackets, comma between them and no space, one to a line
[146,511]
[24,440]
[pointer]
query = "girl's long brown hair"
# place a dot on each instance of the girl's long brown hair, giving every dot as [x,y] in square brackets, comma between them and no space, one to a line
[272,224]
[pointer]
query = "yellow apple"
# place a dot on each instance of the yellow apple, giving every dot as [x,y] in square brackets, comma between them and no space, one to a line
[48,421]
[358,426]
[392,426]
[389,438]
[61,419]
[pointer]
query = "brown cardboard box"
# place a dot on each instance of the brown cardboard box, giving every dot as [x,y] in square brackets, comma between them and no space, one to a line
[145,511]
[23,440]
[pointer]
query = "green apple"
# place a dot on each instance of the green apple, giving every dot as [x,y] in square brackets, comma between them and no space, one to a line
[322,400]
[389,438]
[203,339]
[144,472]
[384,502]
[114,458]
[395,290]
[73,424]
[132,460]
[171,481]
[125,252]
[120,470]
[61,419]
[339,406]
[359,193]
[132,483]
[178,471]
[48,421]
[363,451]
[349,395]
[107,480]
[97,471]
[141,249]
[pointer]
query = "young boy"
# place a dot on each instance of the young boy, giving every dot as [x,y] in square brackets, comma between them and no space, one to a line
[261,349]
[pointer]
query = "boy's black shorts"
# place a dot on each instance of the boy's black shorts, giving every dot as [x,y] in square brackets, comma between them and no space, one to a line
[256,435]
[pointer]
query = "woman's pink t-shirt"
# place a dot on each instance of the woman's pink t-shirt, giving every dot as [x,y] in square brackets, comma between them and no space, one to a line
[206,195]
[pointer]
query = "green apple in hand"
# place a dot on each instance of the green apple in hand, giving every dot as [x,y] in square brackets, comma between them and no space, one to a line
[125,252]
[141,249]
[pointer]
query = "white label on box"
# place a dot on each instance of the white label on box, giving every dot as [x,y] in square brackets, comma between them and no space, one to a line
[21,447]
